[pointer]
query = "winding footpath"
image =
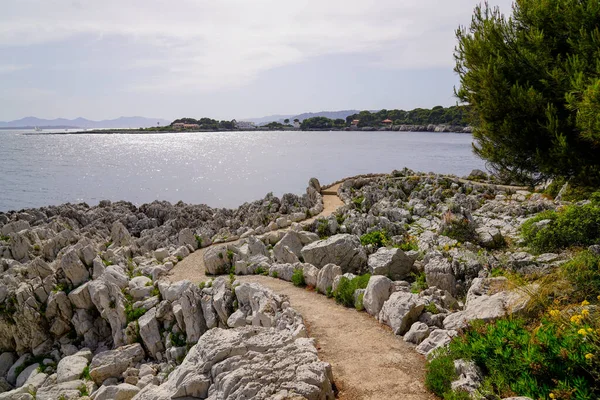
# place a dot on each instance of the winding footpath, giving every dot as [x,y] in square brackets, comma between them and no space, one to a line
[369,362]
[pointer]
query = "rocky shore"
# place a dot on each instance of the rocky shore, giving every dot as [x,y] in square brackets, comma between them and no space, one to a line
[87,309]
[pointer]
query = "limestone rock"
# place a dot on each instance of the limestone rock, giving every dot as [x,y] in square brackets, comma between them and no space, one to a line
[150,333]
[417,333]
[266,364]
[488,299]
[392,262]
[469,376]
[215,260]
[113,363]
[288,249]
[436,339]
[400,311]
[311,274]
[344,250]
[73,268]
[123,391]
[70,368]
[377,292]
[187,238]
[7,359]
[439,273]
[326,276]
[120,235]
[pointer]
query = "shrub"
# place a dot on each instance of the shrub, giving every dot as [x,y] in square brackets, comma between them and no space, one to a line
[298,278]
[440,373]
[344,292]
[457,227]
[178,339]
[376,238]
[527,359]
[583,274]
[322,228]
[133,314]
[420,282]
[359,305]
[570,226]
[199,241]
[86,373]
[260,271]
[358,202]
[275,274]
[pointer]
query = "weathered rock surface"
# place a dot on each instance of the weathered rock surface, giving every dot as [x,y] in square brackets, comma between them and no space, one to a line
[265,364]
[343,250]
[400,311]
[377,292]
[112,363]
[326,276]
[392,262]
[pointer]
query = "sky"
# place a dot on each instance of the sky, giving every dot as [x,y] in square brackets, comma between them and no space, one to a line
[226,59]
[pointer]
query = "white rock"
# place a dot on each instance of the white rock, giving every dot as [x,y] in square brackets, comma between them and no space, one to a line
[400,311]
[326,276]
[344,250]
[70,368]
[150,333]
[439,273]
[123,391]
[377,292]
[417,333]
[113,363]
[436,339]
[73,268]
[215,260]
[393,263]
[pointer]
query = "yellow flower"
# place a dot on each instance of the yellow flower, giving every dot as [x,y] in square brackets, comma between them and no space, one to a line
[582,332]
[589,356]
[585,312]
[576,319]
[585,303]
[598,297]
[552,396]
[554,313]
[590,330]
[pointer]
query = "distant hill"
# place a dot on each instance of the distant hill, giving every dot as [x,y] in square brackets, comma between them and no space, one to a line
[267,119]
[122,122]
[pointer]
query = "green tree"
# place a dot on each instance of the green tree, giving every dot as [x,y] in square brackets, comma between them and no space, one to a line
[287,121]
[533,83]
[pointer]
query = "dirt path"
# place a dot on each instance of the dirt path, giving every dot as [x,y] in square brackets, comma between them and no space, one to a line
[368,361]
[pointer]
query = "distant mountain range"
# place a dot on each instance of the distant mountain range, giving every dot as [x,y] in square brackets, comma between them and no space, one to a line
[122,122]
[280,118]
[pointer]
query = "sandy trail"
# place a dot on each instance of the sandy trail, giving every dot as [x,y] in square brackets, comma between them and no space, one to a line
[368,361]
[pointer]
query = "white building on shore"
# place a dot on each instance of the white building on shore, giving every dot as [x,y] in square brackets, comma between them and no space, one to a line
[245,125]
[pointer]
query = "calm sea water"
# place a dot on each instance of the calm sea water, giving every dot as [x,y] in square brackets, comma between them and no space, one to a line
[222,169]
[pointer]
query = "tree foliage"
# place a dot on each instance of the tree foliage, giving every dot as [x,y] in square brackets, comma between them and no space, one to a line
[438,115]
[533,83]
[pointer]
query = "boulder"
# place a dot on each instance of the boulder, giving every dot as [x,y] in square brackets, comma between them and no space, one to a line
[119,234]
[288,249]
[140,287]
[187,238]
[215,260]
[26,373]
[392,262]
[344,250]
[377,292]
[112,363]
[66,390]
[73,268]
[400,311]
[283,271]
[70,368]
[122,391]
[150,333]
[436,339]
[439,273]
[80,297]
[488,299]
[7,359]
[19,247]
[489,237]
[193,317]
[264,364]
[417,333]
[326,276]
[311,274]
[258,303]
[469,376]
[109,300]
[161,254]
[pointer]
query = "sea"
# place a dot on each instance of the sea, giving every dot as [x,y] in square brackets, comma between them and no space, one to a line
[221,169]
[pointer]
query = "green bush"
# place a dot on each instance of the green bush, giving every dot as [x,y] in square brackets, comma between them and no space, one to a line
[583,274]
[459,229]
[522,359]
[344,292]
[359,305]
[440,373]
[420,282]
[178,339]
[298,278]
[570,226]
[133,314]
[376,238]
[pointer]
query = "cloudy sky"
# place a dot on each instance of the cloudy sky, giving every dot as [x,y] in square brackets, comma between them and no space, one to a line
[225,59]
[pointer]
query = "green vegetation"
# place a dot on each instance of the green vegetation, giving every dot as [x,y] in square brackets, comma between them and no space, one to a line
[375,238]
[275,274]
[298,278]
[457,227]
[86,374]
[359,302]
[322,123]
[4,238]
[322,228]
[440,373]
[455,115]
[432,308]
[358,202]
[199,241]
[83,390]
[420,282]
[344,292]
[133,314]
[178,339]
[533,84]
[569,226]
[329,292]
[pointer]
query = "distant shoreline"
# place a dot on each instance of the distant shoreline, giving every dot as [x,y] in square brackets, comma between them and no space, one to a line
[147,131]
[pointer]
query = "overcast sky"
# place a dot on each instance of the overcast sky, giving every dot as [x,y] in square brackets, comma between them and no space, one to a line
[225,59]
